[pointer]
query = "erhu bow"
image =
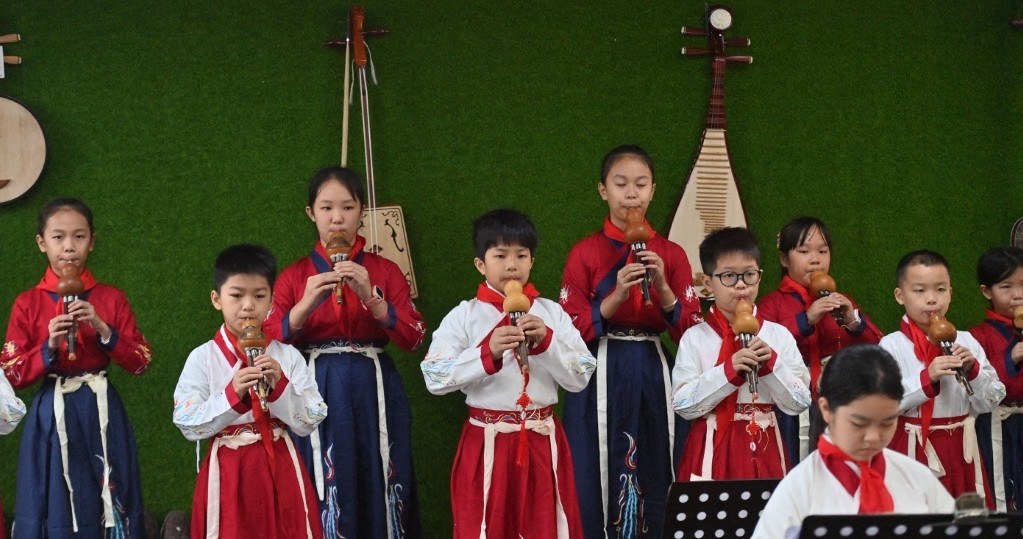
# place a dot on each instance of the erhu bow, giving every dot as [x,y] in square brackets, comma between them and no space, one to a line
[389,217]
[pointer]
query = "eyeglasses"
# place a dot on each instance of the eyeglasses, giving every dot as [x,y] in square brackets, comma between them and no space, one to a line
[730,278]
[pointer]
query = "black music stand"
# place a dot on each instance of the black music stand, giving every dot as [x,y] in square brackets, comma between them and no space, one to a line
[715,508]
[932,526]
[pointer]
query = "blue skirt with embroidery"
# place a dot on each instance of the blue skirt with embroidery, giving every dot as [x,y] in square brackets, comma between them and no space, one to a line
[640,465]
[357,501]
[43,506]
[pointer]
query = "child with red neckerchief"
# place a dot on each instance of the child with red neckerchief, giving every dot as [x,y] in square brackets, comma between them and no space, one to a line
[78,470]
[513,472]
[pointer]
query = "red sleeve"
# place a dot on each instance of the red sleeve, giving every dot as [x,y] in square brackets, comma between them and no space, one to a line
[577,295]
[998,350]
[127,346]
[679,274]
[781,309]
[25,356]
[403,323]
[286,295]
[867,332]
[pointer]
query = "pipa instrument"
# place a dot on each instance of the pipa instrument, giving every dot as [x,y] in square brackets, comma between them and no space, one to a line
[710,199]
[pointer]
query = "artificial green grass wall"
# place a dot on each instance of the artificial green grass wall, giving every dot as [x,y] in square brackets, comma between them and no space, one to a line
[189,125]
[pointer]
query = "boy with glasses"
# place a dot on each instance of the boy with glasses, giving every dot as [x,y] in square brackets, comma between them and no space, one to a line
[734,433]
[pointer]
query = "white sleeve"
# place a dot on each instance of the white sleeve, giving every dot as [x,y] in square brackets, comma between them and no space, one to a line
[695,391]
[453,361]
[988,390]
[786,509]
[789,378]
[298,404]
[910,367]
[200,408]
[12,409]
[567,358]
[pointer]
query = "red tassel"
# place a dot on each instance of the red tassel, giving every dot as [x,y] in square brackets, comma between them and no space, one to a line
[523,401]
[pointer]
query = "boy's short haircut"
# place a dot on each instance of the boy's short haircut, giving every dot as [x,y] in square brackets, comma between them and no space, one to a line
[724,241]
[503,227]
[244,259]
[923,257]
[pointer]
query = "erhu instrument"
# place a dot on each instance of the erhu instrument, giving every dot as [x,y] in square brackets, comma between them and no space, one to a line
[710,199]
[516,304]
[1017,320]
[636,235]
[392,241]
[252,341]
[338,249]
[69,288]
[746,326]
[823,285]
[943,333]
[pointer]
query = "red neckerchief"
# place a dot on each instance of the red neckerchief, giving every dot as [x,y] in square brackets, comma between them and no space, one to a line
[617,234]
[874,495]
[486,294]
[998,317]
[49,284]
[725,410]
[925,351]
[813,347]
[50,280]
[348,309]
[228,344]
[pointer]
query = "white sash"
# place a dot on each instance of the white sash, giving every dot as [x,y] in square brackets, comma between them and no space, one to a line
[971,451]
[235,441]
[97,382]
[490,431]
[602,443]
[761,418]
[373,353]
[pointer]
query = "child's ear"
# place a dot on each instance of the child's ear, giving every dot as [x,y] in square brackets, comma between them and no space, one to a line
[40,243]
[826,411]
[480,266]
[705,280]
[985,291]
[602,190]
[898,296]
[92,241]
[309,212]
[215,299]
[784,259]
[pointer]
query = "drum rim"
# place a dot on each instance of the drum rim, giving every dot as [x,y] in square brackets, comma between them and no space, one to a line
[46,153]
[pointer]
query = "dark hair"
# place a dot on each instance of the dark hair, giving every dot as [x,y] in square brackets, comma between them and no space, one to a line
[503,226]
[625,150]
[922,257]
[797,231]
[858,371]
[346,177]
[244,259]
[59,204]
[996,265]
[724,241]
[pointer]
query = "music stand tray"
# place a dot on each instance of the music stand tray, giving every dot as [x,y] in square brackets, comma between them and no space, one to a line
[929,526]
[715,508]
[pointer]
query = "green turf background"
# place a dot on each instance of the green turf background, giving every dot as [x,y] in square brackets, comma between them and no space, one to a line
[190,125]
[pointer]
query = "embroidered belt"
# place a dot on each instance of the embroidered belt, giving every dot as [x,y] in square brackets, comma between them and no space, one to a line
[514,417]
[632,331]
